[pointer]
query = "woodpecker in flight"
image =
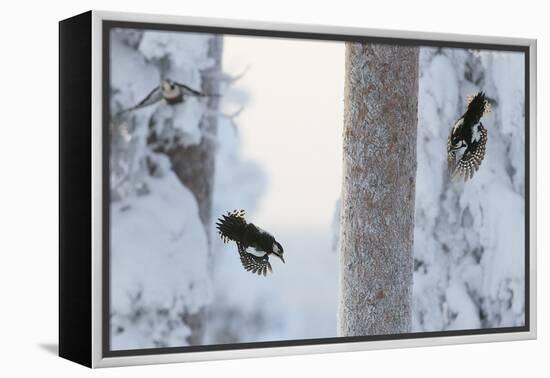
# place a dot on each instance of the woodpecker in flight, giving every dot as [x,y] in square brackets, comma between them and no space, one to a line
[254,244]
[170,91]
[468,138]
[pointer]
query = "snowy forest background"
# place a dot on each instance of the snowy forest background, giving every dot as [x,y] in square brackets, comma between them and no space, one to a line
[174,283]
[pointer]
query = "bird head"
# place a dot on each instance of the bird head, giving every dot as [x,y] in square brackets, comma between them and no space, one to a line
[277,250]
[169,89]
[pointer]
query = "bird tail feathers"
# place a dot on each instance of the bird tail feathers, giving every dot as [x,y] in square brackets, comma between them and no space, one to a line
[478,105]
[231,226]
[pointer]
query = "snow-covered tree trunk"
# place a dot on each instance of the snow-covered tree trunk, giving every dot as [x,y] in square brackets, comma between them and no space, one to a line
[160,212]
[194,165]
[378,193]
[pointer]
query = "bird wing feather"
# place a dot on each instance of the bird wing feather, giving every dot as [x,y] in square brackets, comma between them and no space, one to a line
[470,161]
[153,97]
[188,91]
[254,264]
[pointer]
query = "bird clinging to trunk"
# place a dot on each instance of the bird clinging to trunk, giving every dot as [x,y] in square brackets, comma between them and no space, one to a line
[255,245]
[468,138]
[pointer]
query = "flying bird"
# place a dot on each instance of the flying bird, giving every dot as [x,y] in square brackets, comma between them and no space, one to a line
[468,138]
[254,245]
[170,91]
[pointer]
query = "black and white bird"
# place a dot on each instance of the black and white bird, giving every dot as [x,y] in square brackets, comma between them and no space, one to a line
[171,92]
[468,139]
[255,245]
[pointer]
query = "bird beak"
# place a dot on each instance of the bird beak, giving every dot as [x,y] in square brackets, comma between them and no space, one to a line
[282,259]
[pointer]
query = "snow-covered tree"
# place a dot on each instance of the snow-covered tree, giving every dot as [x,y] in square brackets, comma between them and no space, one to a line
[469,237]
[378,194]
[161,191]
[194,163]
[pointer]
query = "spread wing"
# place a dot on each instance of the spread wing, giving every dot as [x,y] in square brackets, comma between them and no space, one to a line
[153,97]
[188,91]
[254,264]
[470,161]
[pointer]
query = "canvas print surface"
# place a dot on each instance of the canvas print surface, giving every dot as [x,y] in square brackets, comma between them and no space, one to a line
[268,189]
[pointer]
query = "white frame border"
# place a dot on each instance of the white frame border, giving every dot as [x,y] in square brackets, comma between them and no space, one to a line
[97,182]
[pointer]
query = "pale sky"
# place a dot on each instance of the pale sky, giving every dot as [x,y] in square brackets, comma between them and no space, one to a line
[292,125]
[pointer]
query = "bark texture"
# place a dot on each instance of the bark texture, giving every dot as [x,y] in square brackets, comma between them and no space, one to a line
[378,194]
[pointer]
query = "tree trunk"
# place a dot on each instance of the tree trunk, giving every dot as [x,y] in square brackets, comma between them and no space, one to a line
[194,165]
[378,194]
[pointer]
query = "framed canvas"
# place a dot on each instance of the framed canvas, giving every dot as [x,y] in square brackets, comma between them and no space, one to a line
[234,189]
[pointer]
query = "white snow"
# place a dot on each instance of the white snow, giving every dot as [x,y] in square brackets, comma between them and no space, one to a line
[158,264]
[188,52]
[159,247]
[469,237]
[182,120]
